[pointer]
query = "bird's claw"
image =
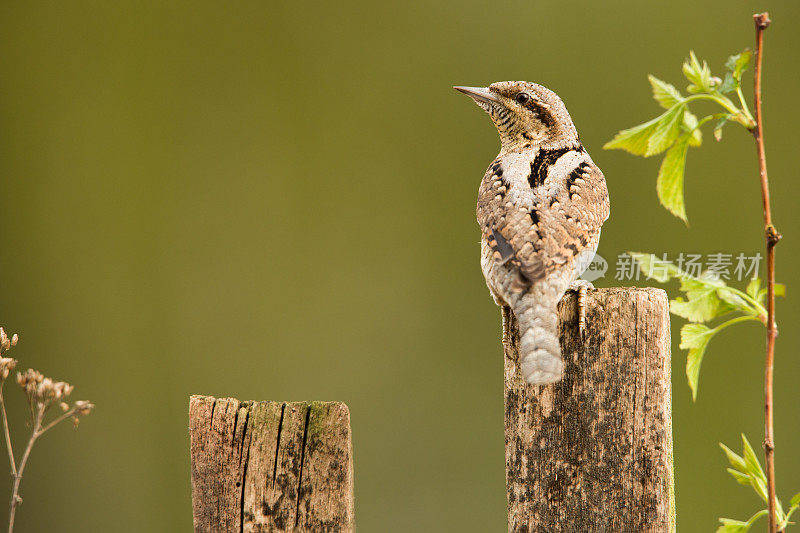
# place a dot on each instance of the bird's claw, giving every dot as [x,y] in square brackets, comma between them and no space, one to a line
[581,286]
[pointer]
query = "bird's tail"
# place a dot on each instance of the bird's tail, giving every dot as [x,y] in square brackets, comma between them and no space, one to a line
[539,349]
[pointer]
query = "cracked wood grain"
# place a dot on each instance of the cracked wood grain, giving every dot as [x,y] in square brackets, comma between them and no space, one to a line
[593,452]
[270,466]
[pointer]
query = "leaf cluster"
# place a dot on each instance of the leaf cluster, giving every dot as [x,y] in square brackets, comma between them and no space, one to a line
[705,298]
[678,128]
[746,470]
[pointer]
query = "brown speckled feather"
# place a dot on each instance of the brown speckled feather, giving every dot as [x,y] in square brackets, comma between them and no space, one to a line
[562,218]
[541,206]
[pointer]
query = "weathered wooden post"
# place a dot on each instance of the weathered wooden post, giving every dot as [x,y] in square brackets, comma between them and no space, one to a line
[593,453]
[270,466]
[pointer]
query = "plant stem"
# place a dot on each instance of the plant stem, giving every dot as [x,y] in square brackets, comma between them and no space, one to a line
[702,121]
[15,499]
[729,106]
[736,320]
[61,418]
[744,103]
[721,100]
[7,433]
[757,307]
[772,237]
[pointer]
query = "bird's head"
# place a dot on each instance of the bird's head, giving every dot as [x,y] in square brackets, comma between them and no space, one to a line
[526,114]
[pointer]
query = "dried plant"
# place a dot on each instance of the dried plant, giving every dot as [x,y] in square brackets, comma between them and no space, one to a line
[43,393]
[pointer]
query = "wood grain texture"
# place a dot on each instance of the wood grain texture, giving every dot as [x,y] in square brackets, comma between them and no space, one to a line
[270,466]
[593,452]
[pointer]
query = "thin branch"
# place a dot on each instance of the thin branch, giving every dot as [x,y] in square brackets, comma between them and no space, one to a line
[744,106]
[7,433]
[754,304]
[61,418]
[702,121]
[772,236]
[15,499]
[726,103]
[738,319]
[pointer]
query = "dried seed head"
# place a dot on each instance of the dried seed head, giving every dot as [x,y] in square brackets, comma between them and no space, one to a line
[82,407]
[64,406]
[61,389]
[6,366]
[46,390]
[5,342]
[41,389]
[29,381]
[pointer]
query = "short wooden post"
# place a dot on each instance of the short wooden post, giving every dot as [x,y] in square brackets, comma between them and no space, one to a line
[594,451]
[270,466]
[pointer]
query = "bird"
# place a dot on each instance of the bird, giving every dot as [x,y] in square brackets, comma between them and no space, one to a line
[541,205]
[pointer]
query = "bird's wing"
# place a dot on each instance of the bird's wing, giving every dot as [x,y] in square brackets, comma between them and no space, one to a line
[509,228]
[564,218]
[587,196]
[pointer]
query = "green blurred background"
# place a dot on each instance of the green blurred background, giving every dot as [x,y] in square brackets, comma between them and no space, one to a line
[276,201]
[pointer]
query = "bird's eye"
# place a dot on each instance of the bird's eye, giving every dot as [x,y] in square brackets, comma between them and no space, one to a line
[522,98]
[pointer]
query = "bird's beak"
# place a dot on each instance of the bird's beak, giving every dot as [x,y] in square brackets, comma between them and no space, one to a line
[479,94]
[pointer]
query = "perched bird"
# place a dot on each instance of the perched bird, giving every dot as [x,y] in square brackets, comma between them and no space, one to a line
[541,204]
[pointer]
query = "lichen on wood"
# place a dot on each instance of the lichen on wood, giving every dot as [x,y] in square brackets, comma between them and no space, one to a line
[593,452]
[270,466]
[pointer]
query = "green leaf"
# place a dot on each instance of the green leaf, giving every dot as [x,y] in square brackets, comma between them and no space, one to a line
[735,301]
[665,94]
[738,63]
[795,501]
[740,477]
[750,459]
[734,459]
[695,337]
[794,504]
[760,487]
[747,469]
[690,125]
[753,287]
[699,75]
[636,139]
[700,308]
[652,137]
[780,290]
[728,85]
[753,468]
[719,125]
[707,296]
[738,526]
[702,303]
[667,131]
[669,184]
[655,268]
[732,526]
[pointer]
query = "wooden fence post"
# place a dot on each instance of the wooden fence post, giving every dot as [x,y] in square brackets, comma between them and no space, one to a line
[593,453]
[270,466]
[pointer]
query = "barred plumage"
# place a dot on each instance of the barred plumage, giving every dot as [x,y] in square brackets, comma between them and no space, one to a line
[540,207]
